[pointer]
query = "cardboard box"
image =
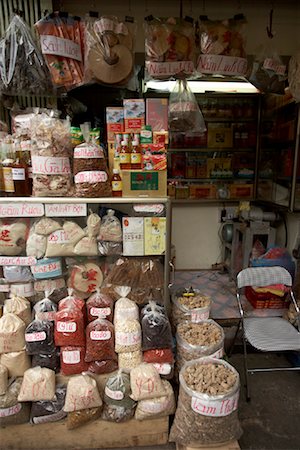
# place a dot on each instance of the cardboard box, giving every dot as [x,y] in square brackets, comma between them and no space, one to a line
[114,122]
[133,236]
[219,167]
[182,192]
[134,115]
[202,191]
[157,113]
[242,190]
[137,183]
[154,235]
[154,162]
[219,135]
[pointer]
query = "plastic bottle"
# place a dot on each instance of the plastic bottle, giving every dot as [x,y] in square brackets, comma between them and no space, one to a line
[136,156]
[20,170]
[124,156]
[116,184]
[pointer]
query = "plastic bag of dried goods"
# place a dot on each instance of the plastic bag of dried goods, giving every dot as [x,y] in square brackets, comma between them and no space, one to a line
[82,393]
[100,340]
[99,306]
[51,410]
[13,235]
[11,411]
[12,330]
[46,226]
[19,306]
[109,248]
[45,309]
[72,360]
[207,411]
[72,300]
[87,246]
[69,327]
[146,382]
[159,356]
[3,379]
[195,340]
[125,308]
[36,244]
[50,361]
[130,360]
[156,329]
[17,274]
[128,336]
[110,229]
[39,337]
[78,418]
[189,304]
[62,242]
[16,363]
[157,407]
[118,405]
[104,366]
[38,384]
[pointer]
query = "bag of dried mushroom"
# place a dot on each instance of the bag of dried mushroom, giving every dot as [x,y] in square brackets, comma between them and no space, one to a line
[207,405]
[190,305]
[195,340]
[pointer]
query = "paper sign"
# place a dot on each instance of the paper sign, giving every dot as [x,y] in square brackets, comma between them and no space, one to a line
[169,68]
[52,45]
[49,165]
[47,268]
[21,210]
[23,290]
[133,236]
[91,176]
[88,152]
[154,208]
[225,65]
[17,261]
[66,210]
[215,408]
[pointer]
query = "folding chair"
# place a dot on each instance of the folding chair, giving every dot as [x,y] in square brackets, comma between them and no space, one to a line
[267,334]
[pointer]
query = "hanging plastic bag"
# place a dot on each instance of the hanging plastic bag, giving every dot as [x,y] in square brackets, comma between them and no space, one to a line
[184,111]
[22,66]
[268,72]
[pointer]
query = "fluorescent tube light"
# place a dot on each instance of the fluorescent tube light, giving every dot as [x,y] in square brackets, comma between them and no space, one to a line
[202,86]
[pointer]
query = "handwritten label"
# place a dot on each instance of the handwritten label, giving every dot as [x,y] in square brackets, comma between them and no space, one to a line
[130,338]
[49,315]
[21,210]
[52,45]
[17,260]
[71,357]
[156,208]
[199,314]
[66,327]
[88,152]
[91,176]
[163,368]
[169,68]
[100,312]
[47,268]
[4,287]
[275,66]
[23,290]
[6,412]
[115,395]
[59,237]
[215,408]
[48,165]
[100,335]
[218,354]
[35,337]
[225,65]
[49,285]
[66,210]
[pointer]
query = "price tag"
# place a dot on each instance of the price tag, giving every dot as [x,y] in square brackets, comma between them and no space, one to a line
[21,210]
[66,327]
[71,357]
[100,335]
[35,337]
[47,268]
[155,208]
[23,289]
[66,210]
[100,312]
[115,395]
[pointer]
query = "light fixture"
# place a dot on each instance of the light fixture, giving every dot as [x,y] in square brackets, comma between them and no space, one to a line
[200,86]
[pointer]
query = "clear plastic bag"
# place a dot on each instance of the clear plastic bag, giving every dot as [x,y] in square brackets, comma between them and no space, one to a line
[110,228]
[49,411]
[189,305]
[108,248]
[3,379]
[99,305]
[11,411]
[117,390]
[157,407]
[100,337]
[130,360]
[125,309]
[39,337]
[184,111]
[103,366]
[38,384]
[19,306]
[36,244]
[146,382]
[72,360]
[200,416]
[45,309]
[50,361]
[22,66]
[87,246]
[17,274]
[128,335]
[156,329]
[82,393]
[12,330]
[69,327]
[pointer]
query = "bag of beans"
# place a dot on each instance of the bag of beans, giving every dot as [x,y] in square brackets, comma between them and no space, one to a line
[146,382]
[100,341]
[12,330]
[82,393]
[11,411]
[51,410]
[190,305]
[38,384]
[118,405]
[72,360]
[157,407]
[45,309]
[90,168]
[69,327]
[3,379]
[16,363]
[46,226]
[128,336]
[19,306]
[104,366]
[50,361]
[130,360]
[195,340]
[207,406]
[156,328]
[100,306]
[125,308]
[39,337]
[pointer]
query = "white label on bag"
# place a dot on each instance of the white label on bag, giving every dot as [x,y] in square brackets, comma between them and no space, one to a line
[218,354]
[35,337]
[275,66]
[215,408]
[155,407]
[18,174]
[88,152]
[163,369]
[4,287]
[59,237]
[6,412]
[91,176]
[71,357]
[23,290]
[156,208]
[66,210]
[100,312]
[66,327]
[198,315]
[49,165]
[49,315]
[52,45]
[130,338]
[17,261]
[21,210]
[115,395]
[221,64]
[169,68]
[100,335]
[49,285]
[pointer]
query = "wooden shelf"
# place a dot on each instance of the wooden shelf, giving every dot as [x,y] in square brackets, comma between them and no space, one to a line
[104,200]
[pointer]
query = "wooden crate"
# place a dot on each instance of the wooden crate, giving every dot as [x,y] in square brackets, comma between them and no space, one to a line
[97,434]
[232,445]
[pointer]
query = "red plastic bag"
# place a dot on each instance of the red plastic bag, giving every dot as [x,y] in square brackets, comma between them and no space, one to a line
[72,360]
[73,302]
[69,327]
[100,341]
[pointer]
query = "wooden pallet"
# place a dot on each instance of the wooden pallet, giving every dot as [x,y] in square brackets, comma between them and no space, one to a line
[232,445]
[97,434]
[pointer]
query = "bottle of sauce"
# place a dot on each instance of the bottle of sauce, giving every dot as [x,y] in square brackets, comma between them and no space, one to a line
[20,171]
[116,184]
[136,156]
[124,156]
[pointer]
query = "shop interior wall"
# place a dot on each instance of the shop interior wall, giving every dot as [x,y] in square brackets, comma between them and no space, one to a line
[195,230]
